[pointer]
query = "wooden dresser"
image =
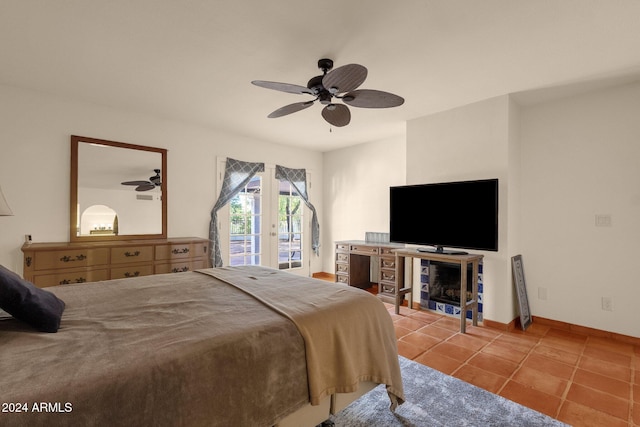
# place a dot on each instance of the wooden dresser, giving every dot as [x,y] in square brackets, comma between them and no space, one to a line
[50,264]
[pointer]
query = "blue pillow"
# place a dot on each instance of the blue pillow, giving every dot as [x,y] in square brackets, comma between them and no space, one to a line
[24,301]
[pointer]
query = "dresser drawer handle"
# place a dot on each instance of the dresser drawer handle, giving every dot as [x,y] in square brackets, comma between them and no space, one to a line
[388,264]
[67,258]
[389,277]
[67,281]
[179,270]
[342,268]
[131,254]
[134,274]
[180,251]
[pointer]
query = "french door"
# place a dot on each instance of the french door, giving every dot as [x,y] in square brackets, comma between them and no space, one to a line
[267,224]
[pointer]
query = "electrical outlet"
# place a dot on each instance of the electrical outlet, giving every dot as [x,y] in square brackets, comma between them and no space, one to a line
[607,304]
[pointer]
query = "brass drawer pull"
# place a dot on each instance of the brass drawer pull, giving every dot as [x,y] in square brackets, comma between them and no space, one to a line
[179,270]
[388,276]
[67,258]
[130,254]
[343,268]
[134,274]
[180,251]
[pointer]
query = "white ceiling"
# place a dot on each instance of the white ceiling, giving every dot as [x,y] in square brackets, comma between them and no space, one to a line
[193,60]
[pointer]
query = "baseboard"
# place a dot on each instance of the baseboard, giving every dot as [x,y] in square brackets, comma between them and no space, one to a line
[507,327]
[583,330]
[564,326]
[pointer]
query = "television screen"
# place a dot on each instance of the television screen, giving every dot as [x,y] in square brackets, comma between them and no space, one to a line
[460,214]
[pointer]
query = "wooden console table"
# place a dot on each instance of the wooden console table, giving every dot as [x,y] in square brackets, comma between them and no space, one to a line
[462,260]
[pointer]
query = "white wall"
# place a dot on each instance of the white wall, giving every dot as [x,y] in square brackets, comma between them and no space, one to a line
[35,163]
[468,143]
[581,158]
[356,191]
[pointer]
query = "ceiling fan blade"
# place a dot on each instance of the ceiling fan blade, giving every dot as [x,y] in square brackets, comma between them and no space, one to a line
[145,187]
[135,182]
[367,98]
[291,108]
[345,78]
[337,114]
[283,87]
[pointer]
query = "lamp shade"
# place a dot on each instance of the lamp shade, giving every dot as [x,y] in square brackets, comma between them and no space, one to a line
[5,210]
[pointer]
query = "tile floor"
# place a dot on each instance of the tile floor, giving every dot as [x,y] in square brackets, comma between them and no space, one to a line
[578,379]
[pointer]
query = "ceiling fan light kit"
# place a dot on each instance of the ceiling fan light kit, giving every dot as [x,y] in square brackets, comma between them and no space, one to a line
[342,84]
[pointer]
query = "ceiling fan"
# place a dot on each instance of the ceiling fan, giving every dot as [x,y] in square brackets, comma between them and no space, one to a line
[154,181]
[342,84]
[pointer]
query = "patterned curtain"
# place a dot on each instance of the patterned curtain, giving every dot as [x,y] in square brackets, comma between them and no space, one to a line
[298,179]
[237,175]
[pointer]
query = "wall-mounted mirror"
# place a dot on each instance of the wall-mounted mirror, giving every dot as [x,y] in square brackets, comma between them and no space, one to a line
[118,191]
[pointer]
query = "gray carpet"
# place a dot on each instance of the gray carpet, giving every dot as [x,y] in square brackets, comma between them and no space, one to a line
[436,399]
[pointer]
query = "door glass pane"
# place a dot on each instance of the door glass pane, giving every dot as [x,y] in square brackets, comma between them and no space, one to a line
[290,232]
[245,217]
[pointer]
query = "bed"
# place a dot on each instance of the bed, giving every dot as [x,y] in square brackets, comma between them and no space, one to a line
[241,346]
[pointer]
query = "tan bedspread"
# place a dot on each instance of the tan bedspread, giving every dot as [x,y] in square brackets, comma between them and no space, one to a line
[168,350]
[348,334]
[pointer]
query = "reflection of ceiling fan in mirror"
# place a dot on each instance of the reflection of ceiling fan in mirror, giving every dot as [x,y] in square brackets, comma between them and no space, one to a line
[341,84]
[154,181]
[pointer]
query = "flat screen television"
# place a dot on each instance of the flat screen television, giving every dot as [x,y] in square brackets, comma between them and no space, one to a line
[461,214]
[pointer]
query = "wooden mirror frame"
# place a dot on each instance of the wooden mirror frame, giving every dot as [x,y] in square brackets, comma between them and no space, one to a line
[73,212]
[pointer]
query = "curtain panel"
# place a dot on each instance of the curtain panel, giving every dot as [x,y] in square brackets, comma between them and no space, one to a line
[237,175]
[298,179]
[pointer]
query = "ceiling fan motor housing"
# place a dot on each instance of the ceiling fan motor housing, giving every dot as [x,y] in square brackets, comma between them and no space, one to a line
[325,64]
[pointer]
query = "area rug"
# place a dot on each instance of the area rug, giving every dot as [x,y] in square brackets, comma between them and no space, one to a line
[436,399]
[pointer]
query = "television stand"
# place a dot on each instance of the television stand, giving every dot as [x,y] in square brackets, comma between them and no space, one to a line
[462,260]
[441,250]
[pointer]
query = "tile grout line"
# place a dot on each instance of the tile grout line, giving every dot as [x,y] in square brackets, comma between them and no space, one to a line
[519,365]
[563,398]
[464,362]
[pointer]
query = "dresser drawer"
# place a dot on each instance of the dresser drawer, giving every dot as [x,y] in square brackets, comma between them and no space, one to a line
[388,276]
[131,271]
[180,251]
[342,268]
[387,251]
[342,257]
[342,247]
[387,289]
[342,278]
[66,278]
[131,254]
[388,263]
[70,258]
[364,249]
[179,266]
